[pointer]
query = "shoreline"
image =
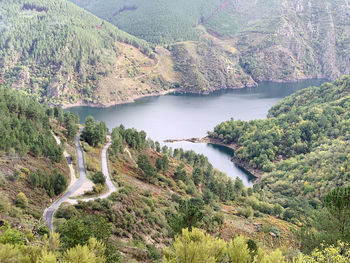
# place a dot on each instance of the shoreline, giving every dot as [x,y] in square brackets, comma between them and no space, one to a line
[256,173]
[132,99]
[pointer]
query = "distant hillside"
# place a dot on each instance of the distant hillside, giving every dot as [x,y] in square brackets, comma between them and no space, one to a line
[274,40]
[172,21]
[303,147]
[57,50]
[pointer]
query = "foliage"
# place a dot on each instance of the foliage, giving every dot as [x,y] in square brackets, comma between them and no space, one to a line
[178,21]
[328,225]
[94,132]
[25,126]
[196,246]
[188,215]
[238,251]
[162,164]
[55,49]
[120,136]
[47,251]
[11,236]
[148,171]
[70,121]
[78,230]
[98,178]
[54,184]
[303,146]
[21,200]
[339,254]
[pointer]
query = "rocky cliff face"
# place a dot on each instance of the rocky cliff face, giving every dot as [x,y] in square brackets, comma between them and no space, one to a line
[207,66]
[311,40]
[274,41]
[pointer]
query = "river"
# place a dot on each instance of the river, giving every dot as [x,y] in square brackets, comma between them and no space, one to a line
[176,116]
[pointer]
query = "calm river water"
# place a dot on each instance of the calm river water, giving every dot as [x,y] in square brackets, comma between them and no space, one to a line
[187,116]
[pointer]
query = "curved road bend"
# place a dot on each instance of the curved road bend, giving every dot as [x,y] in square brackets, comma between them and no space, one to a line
[48,214]
[105,171]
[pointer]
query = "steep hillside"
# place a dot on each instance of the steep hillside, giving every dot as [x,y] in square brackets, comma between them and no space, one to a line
[274,40]
[303,147]
[65,55]
[159,190]
[32,167]
[178,21]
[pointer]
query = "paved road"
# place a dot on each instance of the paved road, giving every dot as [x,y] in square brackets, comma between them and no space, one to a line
[105,171]
[48,214]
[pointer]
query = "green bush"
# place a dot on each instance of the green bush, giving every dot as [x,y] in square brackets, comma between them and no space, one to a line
[21,200]
[66,212]
[98,178]
[4,203]
[247,211]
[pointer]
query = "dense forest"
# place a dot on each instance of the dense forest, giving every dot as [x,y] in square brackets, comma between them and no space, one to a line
[211,46]
[26,132]
[302,146]
[65,54]
[25,126]
[179,21]
[271,39]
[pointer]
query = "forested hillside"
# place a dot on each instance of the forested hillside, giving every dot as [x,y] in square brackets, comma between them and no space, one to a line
[179,21]
[264,40]
[303,147]
[32,167]
[57,50]
[81,59]
[164,196]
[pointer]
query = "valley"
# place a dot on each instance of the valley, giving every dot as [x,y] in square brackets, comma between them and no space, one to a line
[166,131]
[188,116]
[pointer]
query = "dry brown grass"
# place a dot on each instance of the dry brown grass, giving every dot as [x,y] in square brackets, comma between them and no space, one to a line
[136,75]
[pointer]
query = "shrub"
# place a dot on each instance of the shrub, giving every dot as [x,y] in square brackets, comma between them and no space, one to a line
[21,200]
[66,212]
[2,179]
[99,178]
[246,212]
[4,203]
[98,188]
[13,237]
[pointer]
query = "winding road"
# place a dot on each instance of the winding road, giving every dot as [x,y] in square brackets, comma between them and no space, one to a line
[49,212]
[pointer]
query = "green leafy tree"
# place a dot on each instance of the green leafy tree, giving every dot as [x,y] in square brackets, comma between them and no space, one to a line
[188,214]
[148,171]
[162,164]
[195,247]
[78,230]
[99,178]
[337,203]
[94,133]
[238,250]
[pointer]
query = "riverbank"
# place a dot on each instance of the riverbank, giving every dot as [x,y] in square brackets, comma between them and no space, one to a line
[132,99]
[256,173]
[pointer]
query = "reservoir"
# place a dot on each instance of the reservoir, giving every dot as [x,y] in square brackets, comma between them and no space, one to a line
[176,116]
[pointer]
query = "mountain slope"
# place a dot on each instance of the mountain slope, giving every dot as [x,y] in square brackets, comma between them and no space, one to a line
[274,40]
[303,147]
[57,50]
